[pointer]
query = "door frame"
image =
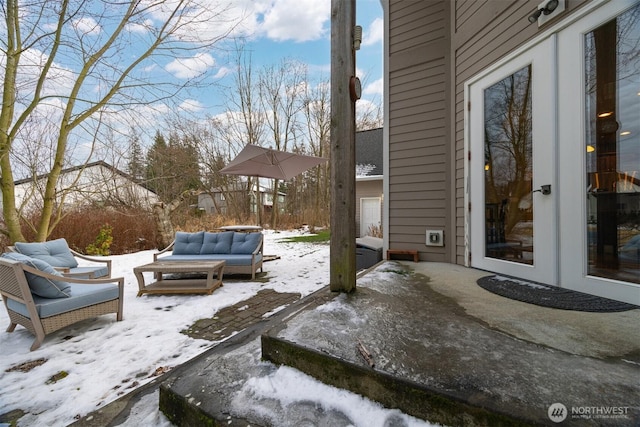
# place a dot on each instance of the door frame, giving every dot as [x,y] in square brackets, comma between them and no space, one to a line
[379,200]
[544,269]
[571,272]
[573,234]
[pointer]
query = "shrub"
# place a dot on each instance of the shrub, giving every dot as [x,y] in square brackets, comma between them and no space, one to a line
[103,242]
[133,230]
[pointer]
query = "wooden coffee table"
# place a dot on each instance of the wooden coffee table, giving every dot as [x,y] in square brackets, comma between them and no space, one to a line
[180,286]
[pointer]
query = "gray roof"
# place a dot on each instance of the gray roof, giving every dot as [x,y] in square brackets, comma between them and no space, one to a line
[369,151]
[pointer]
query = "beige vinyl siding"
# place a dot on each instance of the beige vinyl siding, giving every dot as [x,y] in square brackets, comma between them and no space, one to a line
[435,47]
[418,64]
[478,43]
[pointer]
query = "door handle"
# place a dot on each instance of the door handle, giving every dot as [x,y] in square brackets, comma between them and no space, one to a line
[544,189]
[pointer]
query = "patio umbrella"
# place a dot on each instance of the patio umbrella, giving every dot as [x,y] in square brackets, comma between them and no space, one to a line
[267,163]
[263,162]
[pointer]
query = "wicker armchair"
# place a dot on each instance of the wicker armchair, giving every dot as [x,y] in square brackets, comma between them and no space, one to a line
[85,298]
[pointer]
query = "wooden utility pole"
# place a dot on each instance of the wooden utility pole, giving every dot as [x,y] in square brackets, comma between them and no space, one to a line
[343,152]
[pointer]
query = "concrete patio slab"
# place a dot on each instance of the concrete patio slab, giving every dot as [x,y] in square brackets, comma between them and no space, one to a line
[443,349]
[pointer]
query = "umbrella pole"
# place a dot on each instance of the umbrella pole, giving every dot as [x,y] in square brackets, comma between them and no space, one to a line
[258,202]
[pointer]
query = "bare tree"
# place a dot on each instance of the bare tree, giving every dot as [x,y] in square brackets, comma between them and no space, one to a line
[317,113]
[70,64]
[242,124]
[281,90]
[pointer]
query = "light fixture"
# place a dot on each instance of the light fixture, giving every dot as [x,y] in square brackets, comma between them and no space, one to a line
[590,148]
[535,15]
[357,37]
[546,9]
[625,133]
[605,114]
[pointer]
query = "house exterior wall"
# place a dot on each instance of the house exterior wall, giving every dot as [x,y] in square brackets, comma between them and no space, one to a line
[418,135]
[483,32]
[98,183]
[367,188]
[433,48]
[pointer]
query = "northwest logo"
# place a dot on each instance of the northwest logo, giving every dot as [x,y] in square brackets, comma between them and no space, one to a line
[557,412]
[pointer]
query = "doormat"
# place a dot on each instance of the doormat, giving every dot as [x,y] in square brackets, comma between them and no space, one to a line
[551,296]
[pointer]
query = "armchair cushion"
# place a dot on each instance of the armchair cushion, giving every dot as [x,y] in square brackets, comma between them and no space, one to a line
[54,252]
[41,286]
[82,295]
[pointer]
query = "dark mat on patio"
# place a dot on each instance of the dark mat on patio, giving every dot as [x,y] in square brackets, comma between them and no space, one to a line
[550,296]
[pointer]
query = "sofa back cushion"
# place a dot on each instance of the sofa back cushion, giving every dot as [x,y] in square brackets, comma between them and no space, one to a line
[217,243]
[188,243]
[41,286]
[245,243]
[54,252]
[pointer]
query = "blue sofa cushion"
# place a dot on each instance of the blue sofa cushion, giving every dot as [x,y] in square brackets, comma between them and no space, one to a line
[237,259]
[41,286]
[245,243]
[188,243]
[216,243]
[54,252]
[80,295]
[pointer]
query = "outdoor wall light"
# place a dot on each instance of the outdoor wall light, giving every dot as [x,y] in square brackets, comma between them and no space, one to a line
[357,37]
[546,9]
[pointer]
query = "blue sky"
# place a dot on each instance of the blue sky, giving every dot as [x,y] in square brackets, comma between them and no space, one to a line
[299,30]
[272,30]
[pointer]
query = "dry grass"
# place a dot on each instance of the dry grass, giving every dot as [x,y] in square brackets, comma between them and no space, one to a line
[135,230]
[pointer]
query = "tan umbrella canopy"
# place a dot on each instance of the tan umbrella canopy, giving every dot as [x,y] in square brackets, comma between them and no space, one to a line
[267,163]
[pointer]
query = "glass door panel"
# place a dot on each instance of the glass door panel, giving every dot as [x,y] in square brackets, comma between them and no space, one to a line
[508,169]
[511,169]
[599,151]
[612,100]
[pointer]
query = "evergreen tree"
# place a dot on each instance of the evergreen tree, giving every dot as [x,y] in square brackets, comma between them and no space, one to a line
[173,168]
[157,166]
[136,165]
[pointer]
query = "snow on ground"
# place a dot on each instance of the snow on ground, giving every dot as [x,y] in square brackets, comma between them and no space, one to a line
[94,362]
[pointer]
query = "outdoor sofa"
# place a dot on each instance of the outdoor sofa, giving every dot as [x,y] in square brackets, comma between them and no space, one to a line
[242,252]
[58,254]
[42,300]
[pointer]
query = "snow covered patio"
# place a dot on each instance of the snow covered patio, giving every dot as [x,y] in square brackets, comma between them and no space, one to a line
[442,349]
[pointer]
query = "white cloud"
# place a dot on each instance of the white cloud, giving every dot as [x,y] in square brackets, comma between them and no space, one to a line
[202,22]
[297,20]
[186,68]
[374,88]
[191,105]
[222,72]
[140,28]
[374,34]
[87,25]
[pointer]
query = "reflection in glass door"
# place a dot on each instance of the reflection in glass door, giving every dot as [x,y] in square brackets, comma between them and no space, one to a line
[512,210]
[612,68]
[508,169]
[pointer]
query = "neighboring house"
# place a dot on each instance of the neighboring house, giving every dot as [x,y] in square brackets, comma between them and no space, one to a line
[369,179]
[509,127]
[220,206]
[96,183]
